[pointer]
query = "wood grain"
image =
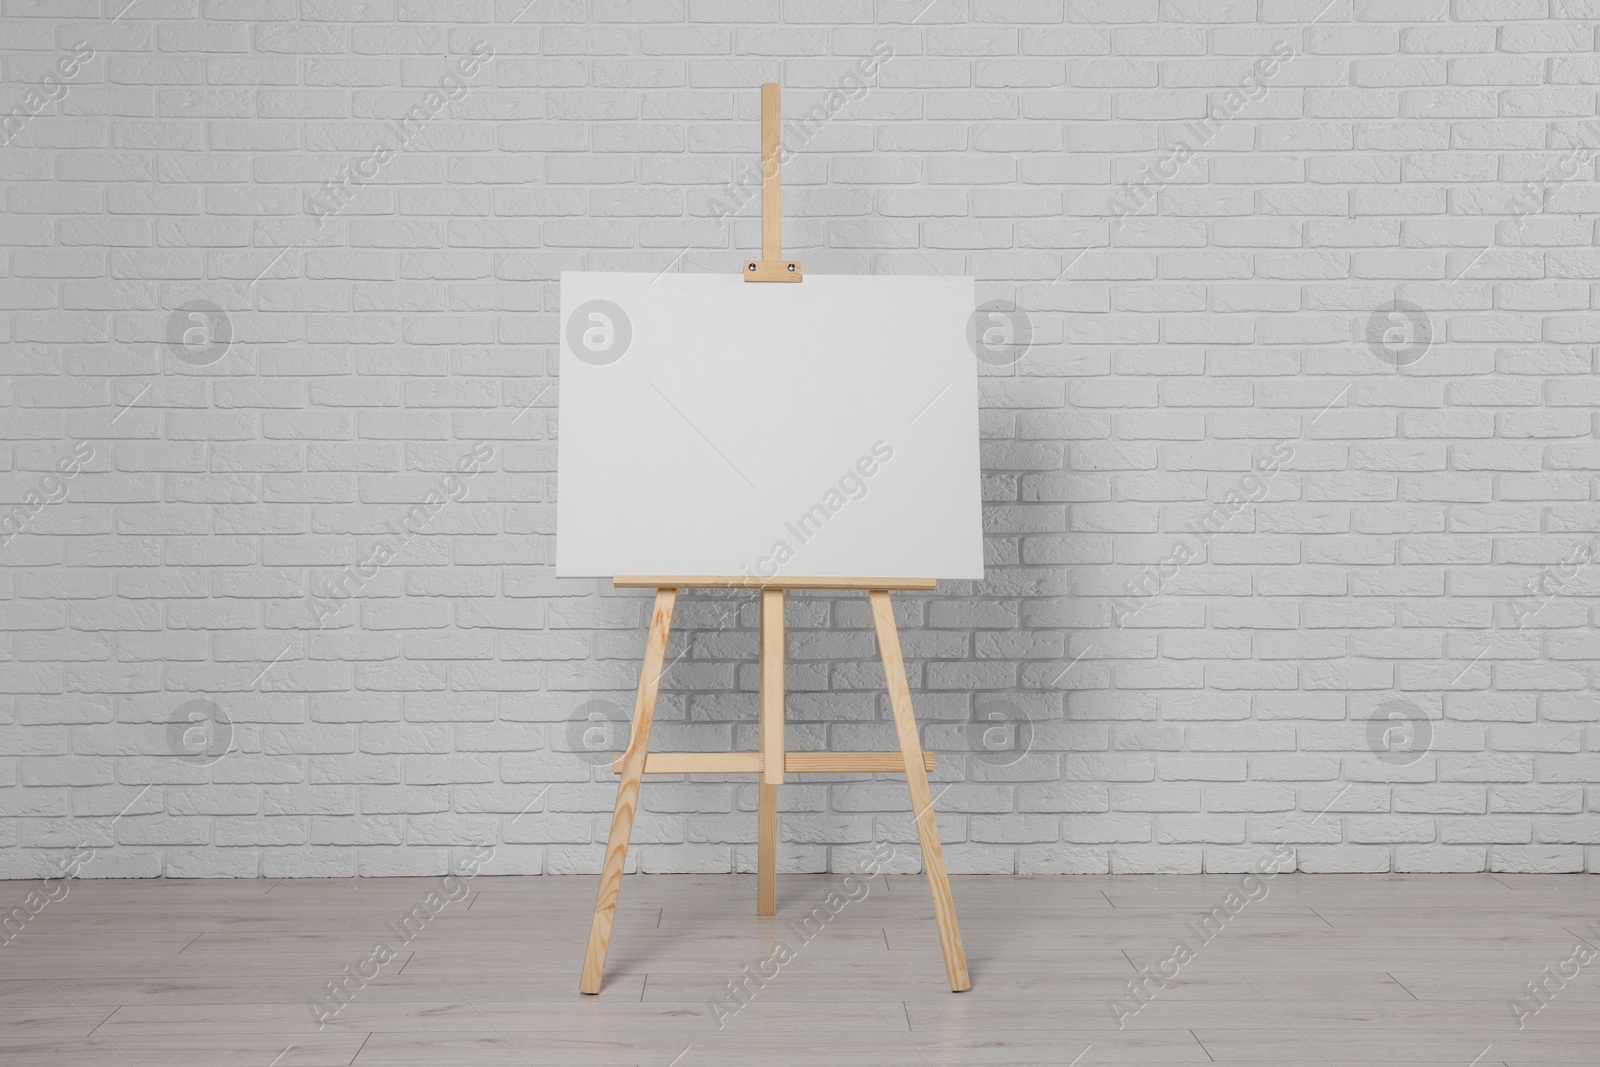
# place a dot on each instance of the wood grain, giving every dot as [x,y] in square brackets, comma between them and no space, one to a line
[771,699]
[766,849]
[771,190]
[644,708]
[772,692]
[905,724]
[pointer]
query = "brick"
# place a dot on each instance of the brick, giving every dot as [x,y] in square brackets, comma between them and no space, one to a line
[1389,560]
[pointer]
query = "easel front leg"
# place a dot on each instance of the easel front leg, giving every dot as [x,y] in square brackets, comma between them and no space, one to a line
[905,724]
[644,709]
[771,667]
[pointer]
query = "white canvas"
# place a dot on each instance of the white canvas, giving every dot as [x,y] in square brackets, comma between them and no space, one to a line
[712,426]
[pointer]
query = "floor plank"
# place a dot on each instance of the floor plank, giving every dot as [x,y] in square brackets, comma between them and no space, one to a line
[1331,970]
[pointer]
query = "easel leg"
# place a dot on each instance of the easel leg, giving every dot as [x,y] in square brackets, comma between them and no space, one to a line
[905,724]
[767,849]
[771,751]
[644,709]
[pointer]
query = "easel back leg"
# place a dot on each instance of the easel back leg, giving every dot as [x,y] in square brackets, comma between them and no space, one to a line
[767,850]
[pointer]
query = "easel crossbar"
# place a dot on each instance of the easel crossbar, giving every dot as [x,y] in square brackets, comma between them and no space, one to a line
[748,581]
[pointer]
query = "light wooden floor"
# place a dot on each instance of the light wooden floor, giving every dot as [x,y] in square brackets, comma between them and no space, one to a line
[1332,970]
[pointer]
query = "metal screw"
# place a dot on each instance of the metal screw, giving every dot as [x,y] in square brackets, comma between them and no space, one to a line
[791,268]
[752,268]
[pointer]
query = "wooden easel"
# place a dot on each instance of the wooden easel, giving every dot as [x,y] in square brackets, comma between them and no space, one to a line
[771,761]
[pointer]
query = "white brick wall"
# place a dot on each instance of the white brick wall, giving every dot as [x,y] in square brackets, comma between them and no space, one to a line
[1417,544]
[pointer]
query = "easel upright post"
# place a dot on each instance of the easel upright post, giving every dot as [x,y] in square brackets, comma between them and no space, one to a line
[771,184]
[771,267]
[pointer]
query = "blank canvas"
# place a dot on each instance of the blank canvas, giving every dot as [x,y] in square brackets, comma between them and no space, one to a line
[711,426]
